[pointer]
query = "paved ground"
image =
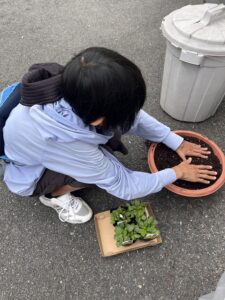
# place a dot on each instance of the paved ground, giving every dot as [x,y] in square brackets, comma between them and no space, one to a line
[41,258]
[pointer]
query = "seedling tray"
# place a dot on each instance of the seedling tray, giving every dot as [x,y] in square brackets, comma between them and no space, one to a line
[105,235]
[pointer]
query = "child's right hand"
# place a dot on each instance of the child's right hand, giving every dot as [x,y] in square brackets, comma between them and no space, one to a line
[194,173]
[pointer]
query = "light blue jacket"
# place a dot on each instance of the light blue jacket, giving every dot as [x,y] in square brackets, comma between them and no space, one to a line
[52,136]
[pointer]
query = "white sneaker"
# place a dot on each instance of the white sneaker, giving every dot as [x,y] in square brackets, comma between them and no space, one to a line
[70,209]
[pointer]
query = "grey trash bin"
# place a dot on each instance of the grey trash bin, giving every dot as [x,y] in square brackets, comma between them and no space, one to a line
[219,294]
[193,83]
[213,1]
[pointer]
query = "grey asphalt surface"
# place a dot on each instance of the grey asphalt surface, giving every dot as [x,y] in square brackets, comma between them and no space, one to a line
[42,258]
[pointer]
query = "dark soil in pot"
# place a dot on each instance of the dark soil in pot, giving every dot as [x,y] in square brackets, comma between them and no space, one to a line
[167,158]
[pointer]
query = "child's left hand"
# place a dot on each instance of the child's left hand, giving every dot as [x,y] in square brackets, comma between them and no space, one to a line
[191,149]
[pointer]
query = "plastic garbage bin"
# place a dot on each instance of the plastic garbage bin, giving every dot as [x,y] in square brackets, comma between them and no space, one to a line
[213,1]
[193,83]
[219,294]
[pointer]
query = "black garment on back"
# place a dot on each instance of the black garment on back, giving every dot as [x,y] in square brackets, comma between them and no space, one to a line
[42,84]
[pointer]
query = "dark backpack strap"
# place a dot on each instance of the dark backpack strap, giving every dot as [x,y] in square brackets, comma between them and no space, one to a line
[5,109]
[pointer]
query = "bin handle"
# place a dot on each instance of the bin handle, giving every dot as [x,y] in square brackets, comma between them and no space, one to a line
[213,14]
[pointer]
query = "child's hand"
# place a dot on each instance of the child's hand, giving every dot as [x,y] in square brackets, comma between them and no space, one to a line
[194,173]
[191,149]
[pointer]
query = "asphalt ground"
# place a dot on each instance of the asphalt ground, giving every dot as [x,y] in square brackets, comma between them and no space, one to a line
[43,258]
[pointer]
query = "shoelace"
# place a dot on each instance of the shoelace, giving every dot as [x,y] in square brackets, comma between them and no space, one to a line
[65,207]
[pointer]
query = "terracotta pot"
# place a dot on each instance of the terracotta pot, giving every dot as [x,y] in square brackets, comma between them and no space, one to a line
[187,192]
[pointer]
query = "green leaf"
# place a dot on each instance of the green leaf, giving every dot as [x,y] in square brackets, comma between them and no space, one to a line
[113,219]
[137,236]
[141,224]
[143,232]
[130,227]
[118,230]
[136,228]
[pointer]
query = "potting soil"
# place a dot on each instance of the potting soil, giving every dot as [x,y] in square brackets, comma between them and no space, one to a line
[167,158]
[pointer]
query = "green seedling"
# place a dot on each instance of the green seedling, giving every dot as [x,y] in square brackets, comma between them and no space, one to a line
[147,228]
[125,234]
[133,223]
[137,209]
[120,215]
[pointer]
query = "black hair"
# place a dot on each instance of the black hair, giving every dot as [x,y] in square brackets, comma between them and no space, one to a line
[99,82]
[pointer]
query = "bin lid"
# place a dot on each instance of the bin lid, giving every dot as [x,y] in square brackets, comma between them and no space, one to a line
[198,28]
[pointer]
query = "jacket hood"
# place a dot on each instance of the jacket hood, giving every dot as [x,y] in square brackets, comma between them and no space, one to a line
[57,121]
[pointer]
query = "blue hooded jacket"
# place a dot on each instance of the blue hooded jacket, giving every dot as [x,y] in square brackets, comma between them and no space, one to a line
[52,136]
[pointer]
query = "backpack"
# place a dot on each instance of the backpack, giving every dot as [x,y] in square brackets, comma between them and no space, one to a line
[9,98]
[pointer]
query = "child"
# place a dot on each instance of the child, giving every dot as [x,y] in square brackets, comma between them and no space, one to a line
[64,143]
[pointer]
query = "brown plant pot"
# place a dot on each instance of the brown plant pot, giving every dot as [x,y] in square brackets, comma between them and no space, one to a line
[187,192]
